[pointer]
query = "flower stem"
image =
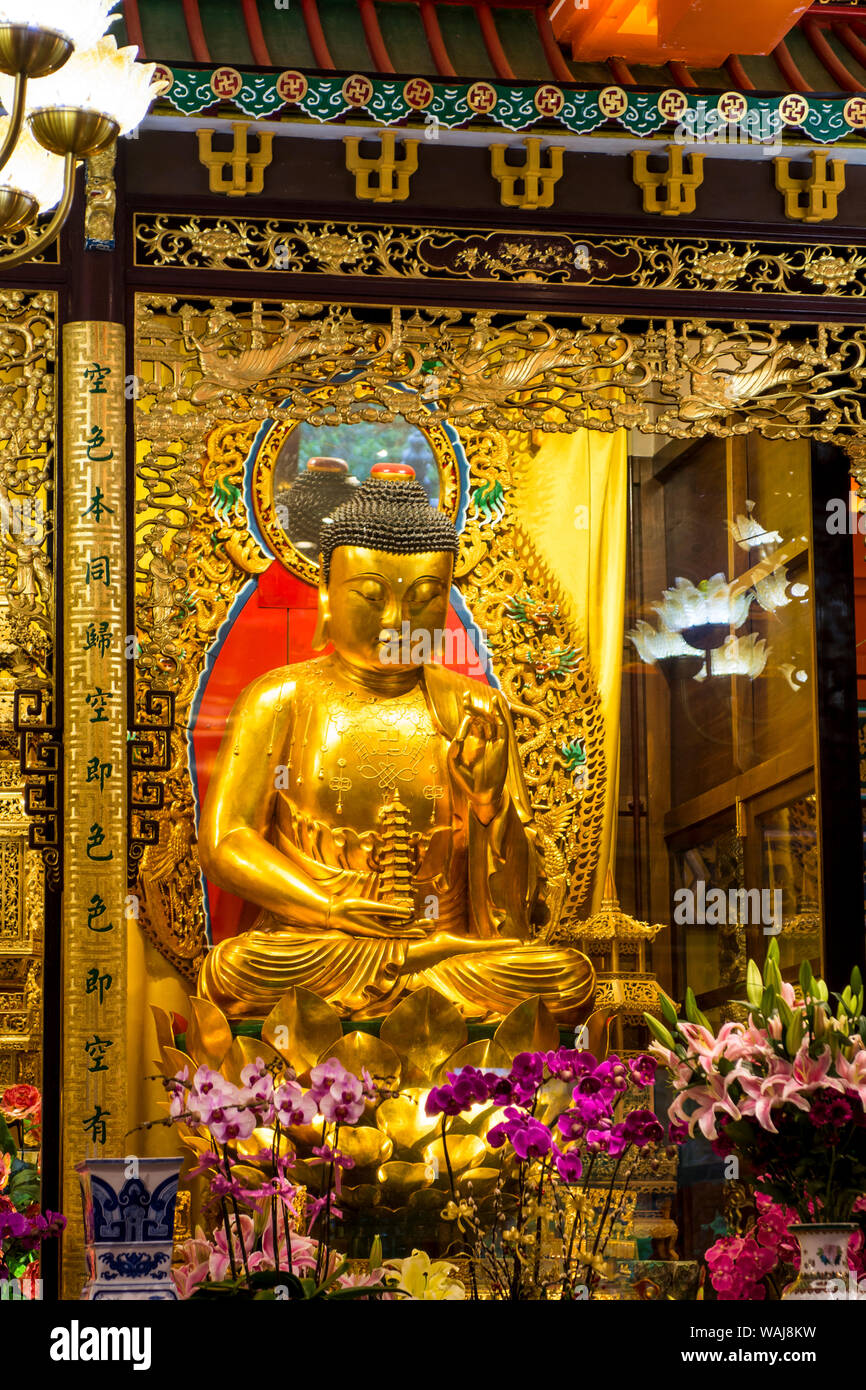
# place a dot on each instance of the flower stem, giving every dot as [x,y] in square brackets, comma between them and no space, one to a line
[237,1213]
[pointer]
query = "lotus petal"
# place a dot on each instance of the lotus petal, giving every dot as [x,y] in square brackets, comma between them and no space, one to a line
[399,1179]
[424,1030]
[302,1026]
[260,1144]
[208,1033]
[483,1180]
[362,1197]
[464,1151]
[359,1050]
[173,1061]
[597,1036]
[485,1054]
[530,1027]
[164,1028]
[367,1146]
[243,1051]
[402,1118]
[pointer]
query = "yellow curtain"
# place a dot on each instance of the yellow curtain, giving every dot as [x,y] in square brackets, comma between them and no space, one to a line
[572,500]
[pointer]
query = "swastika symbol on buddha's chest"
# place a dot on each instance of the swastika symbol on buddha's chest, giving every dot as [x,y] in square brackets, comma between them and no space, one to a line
[388,756]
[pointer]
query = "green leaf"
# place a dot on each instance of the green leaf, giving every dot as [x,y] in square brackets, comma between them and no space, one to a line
[7,1143]
[773,951]
[773,976]
[754,984]
[659,1032]
[693,1013]
[768,1001]
[805,978]
[375,1261]
[856,980]
[794,1033]
[822,993]
[669,1013]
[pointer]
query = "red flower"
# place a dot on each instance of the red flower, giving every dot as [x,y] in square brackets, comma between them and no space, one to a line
[21,1100]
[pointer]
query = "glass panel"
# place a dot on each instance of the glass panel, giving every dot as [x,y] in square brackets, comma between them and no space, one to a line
[712,946]
[789,859]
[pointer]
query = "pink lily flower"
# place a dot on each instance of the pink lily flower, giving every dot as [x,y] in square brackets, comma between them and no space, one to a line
[712,1097]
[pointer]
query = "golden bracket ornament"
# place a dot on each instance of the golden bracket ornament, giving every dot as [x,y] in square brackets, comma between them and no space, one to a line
[382,178]
[247,169]
[821,192]
[671,191]
[538,180]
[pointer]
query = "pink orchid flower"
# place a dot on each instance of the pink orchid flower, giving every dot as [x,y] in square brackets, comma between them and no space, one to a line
[294,1106]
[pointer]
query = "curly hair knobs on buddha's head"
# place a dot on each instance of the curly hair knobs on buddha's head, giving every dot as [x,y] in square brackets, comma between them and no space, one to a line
[389,512]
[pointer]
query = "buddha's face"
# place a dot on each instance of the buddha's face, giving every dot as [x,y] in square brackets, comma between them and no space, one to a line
[372,594]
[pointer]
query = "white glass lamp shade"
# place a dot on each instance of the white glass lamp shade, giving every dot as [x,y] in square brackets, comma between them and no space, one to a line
[83,22]
[738,656]
[33,170]
[771,592]
[748,532]
[695,605]
[102,78]
[654,645]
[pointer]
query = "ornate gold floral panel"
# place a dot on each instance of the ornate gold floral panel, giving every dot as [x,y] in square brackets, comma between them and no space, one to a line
[29,834]
[361,250]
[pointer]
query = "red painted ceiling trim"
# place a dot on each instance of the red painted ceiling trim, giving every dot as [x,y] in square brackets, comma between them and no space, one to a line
[789,70]
[854,45]
[258,47]
[373,35]
[132,19]
[680,73]
[620,72]
[831,61]
[197,40]
[316,34]
[435,41]
[738,74]
[558,66]
[495,51]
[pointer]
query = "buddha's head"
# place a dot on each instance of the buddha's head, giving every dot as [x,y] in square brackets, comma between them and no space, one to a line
[387,561]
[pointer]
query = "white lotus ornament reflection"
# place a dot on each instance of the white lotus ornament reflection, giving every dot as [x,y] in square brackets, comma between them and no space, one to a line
[714,600]
[738,656]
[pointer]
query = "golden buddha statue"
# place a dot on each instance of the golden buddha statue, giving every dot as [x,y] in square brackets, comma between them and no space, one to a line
[373,806]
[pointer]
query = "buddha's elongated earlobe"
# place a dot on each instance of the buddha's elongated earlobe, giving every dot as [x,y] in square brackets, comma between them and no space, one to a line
[322,634]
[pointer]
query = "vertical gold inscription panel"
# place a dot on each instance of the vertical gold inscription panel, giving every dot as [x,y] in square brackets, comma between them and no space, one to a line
[94,683]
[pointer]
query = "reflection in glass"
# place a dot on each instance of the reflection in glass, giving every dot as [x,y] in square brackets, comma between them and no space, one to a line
[310,483]
[789,855]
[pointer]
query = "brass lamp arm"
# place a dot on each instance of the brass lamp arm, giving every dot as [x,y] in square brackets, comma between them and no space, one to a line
[16,119]
[61,212]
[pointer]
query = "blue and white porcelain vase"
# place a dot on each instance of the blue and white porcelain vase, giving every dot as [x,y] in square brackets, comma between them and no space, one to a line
[129,1227]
